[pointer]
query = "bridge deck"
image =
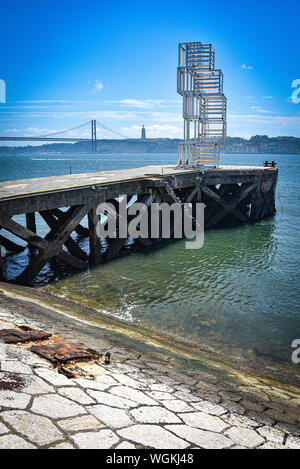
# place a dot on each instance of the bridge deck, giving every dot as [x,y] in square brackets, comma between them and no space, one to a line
[30,187]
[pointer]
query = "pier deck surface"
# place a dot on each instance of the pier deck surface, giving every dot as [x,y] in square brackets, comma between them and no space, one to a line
[27,187]
[231,195]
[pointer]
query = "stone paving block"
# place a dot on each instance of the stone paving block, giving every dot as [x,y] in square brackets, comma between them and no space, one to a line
[132,394]
[164,379]
[233,407]
[15,442]
[15,367]
[293,442]
[250,405]
[161,387]
[77,424]
[53,377]
[154,414]
[204,421]
[285,418]
[238,447]
[104,377]
[153,436]
[77,395]
[201,438]
[271,434]
[240,421]
[110,416]
[63,445]
[125,445]
[103,439]
[92,384]
[176,405]
[3,429]
[161,396]
[55,406]
[129,381]
[39,430]
[230,396]
[111,400]
[35,385]
[286,428]
[186,396]
[245,437]
[14,400]
[271,445]
[124,368]
[260,418]
[205,395]
[33,360]
[209,408]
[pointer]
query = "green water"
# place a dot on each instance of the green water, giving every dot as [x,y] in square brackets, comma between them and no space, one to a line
[239,294]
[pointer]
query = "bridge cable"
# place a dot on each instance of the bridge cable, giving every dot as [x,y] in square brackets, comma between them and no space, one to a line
[65,130]
[113,131]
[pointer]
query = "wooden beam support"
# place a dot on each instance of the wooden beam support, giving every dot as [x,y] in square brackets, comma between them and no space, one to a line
[31,238]
[228,206]
[117,244]
[52,247]
[71,260]
[30,221]
[95,247]
[10,246]
[80,230]
[70,244]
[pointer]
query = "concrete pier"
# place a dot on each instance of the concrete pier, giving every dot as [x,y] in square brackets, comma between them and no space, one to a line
[232,195]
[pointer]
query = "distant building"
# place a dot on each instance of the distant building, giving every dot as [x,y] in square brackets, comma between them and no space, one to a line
[143,136]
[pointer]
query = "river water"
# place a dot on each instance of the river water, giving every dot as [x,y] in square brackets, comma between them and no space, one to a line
[239,294]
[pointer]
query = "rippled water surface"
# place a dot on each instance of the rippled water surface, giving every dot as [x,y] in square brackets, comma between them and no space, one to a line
[238,294]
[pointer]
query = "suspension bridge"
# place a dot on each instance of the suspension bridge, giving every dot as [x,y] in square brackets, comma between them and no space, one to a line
[57,136]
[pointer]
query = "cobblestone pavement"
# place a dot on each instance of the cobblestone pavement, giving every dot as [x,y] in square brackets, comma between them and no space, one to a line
[132,403]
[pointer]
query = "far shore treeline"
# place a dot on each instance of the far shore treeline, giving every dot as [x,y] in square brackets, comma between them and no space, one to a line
[256,144]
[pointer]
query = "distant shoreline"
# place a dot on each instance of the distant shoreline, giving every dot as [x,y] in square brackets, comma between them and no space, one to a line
[260,144]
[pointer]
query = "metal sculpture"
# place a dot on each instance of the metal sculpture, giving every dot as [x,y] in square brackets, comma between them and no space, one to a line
[204,106]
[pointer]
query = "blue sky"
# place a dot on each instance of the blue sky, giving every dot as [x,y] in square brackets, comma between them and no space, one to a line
[68,61]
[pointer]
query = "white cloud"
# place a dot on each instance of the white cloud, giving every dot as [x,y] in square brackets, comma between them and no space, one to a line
[136,103]
[259,109]
[31,130]
[154,131]
[97,86]
[280,120]
[247,67]
[268,97]
[144,104]
[48,101]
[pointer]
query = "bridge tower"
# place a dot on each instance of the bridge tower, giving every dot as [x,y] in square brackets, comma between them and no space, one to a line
[94,135]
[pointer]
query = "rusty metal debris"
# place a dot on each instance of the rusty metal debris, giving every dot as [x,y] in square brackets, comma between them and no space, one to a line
[67,372]
[22,334]
[59,352]
[107,358]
